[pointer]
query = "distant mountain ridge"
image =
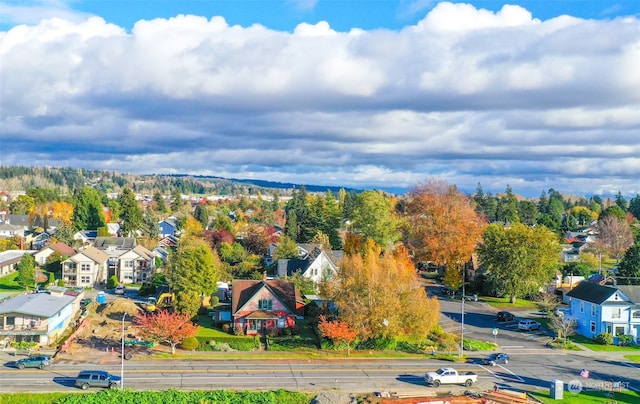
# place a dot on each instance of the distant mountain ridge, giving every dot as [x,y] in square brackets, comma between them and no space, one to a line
[67,178]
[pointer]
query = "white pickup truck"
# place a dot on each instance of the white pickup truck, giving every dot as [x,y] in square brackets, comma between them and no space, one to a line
[449,376]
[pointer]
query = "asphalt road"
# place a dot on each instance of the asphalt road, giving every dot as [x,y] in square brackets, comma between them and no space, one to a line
[531,366]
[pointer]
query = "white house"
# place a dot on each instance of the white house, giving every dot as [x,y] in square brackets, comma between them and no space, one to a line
[37,317]
[315,265]
[605,308]
[88,267]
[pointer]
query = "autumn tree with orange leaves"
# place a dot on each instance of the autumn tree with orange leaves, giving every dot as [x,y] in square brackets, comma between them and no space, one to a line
[337,331]
[444,228]
[380,297]
[163,326]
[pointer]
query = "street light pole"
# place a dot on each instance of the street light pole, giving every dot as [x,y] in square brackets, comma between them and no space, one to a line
[462,316]
[122,355]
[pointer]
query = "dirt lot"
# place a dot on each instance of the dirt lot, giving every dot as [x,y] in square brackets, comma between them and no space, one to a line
[100,338]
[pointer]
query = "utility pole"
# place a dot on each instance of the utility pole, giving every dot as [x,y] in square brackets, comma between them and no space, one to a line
[462,316]
[122,355]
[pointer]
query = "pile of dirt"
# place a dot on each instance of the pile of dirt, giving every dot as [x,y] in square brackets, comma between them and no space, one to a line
[118,307]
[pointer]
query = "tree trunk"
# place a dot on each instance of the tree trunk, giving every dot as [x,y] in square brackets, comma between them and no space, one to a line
[173,348]
[512,299]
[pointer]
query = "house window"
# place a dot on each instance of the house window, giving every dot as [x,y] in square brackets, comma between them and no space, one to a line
[636,314]
[619,330]
[128,264]
[265,304]
[85,267]
[581,307]
[593,310]
[281,323]
[593,327]
[615,312]
[85,279]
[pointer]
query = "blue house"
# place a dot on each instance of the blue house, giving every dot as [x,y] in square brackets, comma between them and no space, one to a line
[605,308]
[167,227]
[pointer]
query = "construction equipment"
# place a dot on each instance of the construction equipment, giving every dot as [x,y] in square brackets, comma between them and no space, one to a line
[163,300]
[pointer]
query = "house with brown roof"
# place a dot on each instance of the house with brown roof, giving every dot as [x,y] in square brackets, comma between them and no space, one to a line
[261,306]
[44,253]
[88,267]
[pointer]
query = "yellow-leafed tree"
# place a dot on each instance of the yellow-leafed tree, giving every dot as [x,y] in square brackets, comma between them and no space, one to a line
[380,296]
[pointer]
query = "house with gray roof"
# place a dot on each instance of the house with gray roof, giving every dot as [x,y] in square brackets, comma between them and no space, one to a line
[599,308]
[313,263]
[37,317]
[9,260]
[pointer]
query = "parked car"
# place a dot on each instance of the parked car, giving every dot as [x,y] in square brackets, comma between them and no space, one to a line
[120,289]
[528,325]
[496,358]
[505,316]
[34,361]
[97,378]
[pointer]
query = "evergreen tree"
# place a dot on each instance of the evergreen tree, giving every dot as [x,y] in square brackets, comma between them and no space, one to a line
[159,201]
[634,206]
[26,271]
[629,266]
[201,215]
[130,212]
[87,212]
[621,202]
[176,200]
[508,207]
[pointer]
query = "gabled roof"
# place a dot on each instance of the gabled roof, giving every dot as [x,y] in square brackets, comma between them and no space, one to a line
[630,291]
[12,256]
[36,304]
[126,243]
[592,292]
[94,254]
[143,252]
[245,289]
[63,249]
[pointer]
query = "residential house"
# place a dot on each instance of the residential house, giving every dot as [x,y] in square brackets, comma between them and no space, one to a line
[44,253]
[259,306]
[129,262]
[37,241]
[88,267]
[167,227]
[136,265]
[314,263]
[600,308]
[9,230]
[37,317]
[9,260]
[86,237]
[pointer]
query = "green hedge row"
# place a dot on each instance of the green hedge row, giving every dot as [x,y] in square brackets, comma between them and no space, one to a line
[237,343]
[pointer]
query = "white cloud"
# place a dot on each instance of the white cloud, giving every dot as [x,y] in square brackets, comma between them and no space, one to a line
[466,94]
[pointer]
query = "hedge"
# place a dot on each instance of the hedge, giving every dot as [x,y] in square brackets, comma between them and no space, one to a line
[237,343]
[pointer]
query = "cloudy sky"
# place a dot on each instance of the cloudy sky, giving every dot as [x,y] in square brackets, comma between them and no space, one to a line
[536,94]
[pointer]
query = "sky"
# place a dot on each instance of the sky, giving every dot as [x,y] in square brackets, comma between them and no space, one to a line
[530,94]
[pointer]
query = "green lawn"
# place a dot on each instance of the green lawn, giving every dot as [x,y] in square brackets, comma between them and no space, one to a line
[590,397]
[504,303]
[9,283]
[588,343]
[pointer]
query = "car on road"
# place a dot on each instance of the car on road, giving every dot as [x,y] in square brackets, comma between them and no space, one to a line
[528,325]
[449,376]
[505,316]
[496,358]
[97,378]
[34,361]
[120,289]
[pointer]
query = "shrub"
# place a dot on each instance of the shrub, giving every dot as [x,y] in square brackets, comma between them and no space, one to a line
[61,283]
[603,339]
[226,328]
[112,282]
[190,343]
[52,278]
[215,300]
[625,340]
[238,331]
